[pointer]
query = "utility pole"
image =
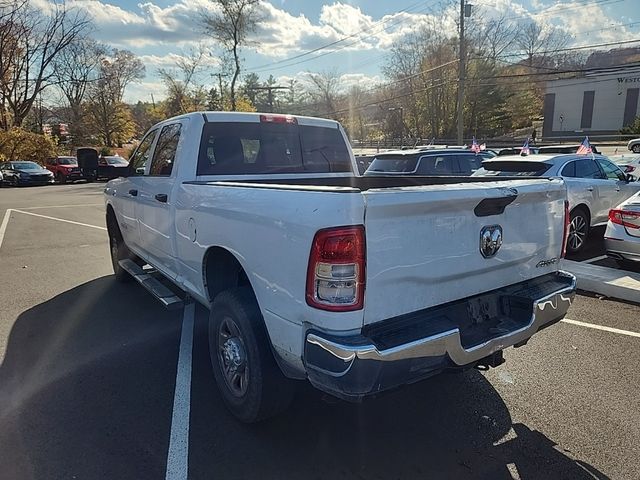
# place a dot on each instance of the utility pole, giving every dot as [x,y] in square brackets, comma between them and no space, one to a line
[461,75]
[465,11]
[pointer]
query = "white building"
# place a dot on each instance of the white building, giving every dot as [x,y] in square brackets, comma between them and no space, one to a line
[596,104]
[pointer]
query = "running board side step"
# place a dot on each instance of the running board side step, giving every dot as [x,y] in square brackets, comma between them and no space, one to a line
[163,294]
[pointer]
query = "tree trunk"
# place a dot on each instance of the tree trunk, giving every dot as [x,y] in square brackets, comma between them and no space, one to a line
[236,73]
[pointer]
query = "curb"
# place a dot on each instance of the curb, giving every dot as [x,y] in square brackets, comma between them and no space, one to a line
[609,282]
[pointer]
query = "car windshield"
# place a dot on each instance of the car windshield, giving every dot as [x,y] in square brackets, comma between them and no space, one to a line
[25,166]
[115,160]
[393,164]
[67,161]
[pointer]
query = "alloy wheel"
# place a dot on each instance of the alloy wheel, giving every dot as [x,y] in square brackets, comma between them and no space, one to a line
[577,232]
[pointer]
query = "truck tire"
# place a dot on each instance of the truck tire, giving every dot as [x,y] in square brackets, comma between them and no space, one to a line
[251,383]
[578,230]
[119,251]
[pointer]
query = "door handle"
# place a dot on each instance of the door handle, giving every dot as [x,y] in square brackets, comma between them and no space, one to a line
[133,192]
[161,197]
[590,189]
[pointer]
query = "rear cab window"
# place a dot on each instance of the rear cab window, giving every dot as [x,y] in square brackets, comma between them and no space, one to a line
[228,148]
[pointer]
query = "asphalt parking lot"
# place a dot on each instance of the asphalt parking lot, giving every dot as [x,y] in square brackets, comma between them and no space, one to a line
[89,384]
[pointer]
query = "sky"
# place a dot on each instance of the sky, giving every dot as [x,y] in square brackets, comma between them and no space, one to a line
[160,31]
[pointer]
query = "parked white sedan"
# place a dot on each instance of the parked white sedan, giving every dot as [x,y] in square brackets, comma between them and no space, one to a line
[630,164]
[622,238]
[594,186]
[634,145]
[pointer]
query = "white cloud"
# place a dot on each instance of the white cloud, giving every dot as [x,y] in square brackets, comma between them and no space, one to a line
[145,91]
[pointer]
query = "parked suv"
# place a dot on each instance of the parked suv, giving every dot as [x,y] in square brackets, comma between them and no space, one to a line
[445,162]
[64,169]
[594,186]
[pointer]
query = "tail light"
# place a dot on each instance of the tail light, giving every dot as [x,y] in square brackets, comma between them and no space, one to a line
[278,119]
[567,224]
[336,273]
[625,217]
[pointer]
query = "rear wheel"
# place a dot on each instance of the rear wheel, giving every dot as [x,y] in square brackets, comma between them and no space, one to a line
[636,148]
[578,230]
[251,383]
[119,251]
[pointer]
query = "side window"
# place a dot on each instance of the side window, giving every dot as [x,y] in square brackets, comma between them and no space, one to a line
[139,159]
[438,165]
[469,164]
[587,168]
[165,152]
[610,170]
[569,170]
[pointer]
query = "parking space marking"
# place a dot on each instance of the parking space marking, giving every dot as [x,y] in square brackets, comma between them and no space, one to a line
[178,454]
[61,220]
[63,206]
[596,259]
[5,221]
[601,327]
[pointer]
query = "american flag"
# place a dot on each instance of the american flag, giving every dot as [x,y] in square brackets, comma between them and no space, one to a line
[525,148]
[585,147]
[474,146]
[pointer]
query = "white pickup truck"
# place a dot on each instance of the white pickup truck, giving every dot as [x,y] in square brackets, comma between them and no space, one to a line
[309,271]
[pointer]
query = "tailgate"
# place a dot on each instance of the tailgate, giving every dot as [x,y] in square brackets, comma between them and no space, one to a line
[424,243]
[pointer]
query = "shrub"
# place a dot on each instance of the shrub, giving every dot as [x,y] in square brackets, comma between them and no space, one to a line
[20,144]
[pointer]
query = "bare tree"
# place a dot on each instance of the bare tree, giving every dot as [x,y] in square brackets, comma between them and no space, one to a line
[31,40]
[231,26]
[324,90]
[120,69]
[540,42]
[184,92]
[74,69]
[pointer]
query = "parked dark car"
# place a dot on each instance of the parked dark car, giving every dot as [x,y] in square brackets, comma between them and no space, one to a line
[112,166]
[445,162]
[64,169]
[88,163]
[18,173]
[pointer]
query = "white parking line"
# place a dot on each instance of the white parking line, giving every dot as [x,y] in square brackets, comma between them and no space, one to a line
[596,259]
[61,220]
[63,206]
[178,454]
[601,327]
[5,221]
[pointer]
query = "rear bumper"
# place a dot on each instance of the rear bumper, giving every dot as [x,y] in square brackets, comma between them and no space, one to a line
[620,245]
[360,365]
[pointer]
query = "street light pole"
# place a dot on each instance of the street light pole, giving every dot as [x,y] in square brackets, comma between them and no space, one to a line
[461,75]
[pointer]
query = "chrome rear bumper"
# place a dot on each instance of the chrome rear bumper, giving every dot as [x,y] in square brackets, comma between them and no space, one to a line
[356,366]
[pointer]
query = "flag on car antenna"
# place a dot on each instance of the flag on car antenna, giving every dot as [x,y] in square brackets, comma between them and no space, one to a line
[585,147]
[474,146]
